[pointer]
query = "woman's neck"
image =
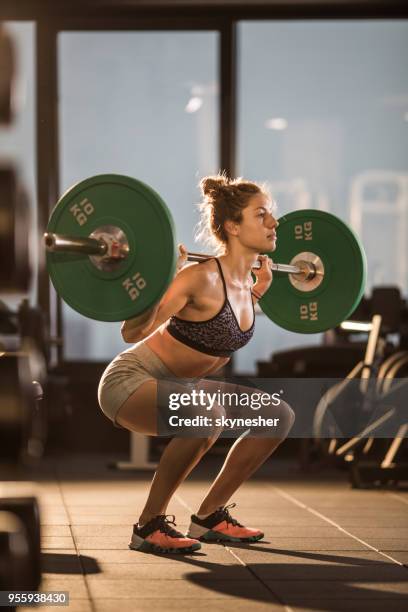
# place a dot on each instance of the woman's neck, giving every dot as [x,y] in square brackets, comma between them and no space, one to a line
[238,267]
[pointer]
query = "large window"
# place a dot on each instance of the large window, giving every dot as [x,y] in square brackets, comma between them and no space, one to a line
[323,116]
[144,104]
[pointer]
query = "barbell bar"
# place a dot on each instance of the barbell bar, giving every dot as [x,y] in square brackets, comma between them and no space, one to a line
[111,255]
[57,243]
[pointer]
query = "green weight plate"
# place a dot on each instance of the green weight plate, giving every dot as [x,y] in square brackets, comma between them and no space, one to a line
[140,280]
[341,290]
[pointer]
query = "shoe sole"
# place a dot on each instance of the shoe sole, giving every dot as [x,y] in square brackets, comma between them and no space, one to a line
[145,546]
[213,536]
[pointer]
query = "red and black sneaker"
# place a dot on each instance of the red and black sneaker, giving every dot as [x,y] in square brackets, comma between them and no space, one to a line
[221,527]
[157,536]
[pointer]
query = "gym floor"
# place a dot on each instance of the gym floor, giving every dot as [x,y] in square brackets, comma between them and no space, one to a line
[326,546]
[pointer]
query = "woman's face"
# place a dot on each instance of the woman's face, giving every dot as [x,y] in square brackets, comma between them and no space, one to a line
[257,229]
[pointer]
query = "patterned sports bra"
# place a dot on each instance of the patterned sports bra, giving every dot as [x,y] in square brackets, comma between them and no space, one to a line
[219,336]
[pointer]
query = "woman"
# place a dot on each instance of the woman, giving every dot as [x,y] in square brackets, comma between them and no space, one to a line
[205,315]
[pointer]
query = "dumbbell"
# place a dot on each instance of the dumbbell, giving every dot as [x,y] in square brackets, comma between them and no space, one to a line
[25,530]
[14,553]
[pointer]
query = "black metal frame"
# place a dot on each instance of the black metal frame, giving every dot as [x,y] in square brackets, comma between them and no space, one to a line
[231,9]
[47,156]
[54,16]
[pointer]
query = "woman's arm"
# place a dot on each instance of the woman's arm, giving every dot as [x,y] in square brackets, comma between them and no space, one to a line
[132,327]
[174,300]
[263,277]
[136,327]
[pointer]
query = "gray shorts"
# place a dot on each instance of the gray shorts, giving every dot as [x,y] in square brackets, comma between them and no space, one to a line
[125,374]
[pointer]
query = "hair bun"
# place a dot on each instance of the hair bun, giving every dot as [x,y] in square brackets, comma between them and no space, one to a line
[213,184]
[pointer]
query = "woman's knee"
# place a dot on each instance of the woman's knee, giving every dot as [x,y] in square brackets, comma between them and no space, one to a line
[216,414]
[205,437]
[215,427]
[280,420]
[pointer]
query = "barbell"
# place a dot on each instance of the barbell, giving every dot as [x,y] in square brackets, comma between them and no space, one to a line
[111,254]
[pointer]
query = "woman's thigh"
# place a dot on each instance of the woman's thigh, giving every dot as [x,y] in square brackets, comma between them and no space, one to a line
[139,411]
[149,405]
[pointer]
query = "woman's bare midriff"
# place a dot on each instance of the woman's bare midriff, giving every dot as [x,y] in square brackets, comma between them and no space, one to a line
[180,359]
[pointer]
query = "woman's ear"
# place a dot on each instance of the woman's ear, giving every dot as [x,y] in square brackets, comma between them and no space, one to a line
[231,227]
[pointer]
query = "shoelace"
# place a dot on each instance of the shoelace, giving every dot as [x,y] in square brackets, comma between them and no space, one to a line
[227,517]
[164,525]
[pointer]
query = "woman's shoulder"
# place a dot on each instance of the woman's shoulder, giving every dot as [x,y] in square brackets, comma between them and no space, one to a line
[199,274]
